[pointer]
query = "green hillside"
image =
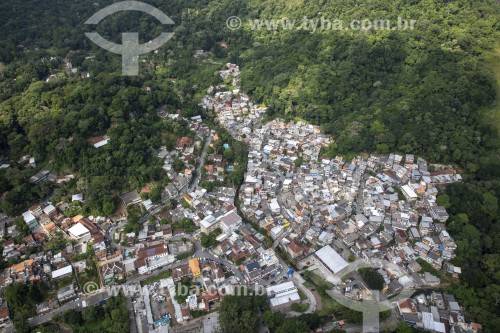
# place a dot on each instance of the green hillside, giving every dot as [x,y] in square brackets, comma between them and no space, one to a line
[432,91]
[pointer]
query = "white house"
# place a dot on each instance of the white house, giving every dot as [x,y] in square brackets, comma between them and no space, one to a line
[79,232]
[30,219]
[282,295]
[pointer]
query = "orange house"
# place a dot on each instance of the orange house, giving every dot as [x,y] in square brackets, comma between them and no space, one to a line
[194,265]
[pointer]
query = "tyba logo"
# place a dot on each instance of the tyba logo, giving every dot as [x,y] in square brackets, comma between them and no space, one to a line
[130,49]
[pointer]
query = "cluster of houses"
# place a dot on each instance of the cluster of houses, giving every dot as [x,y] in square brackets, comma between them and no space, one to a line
[380,208]
[215,211]
[213,283]
[59,268]
[368,209]
[437,312]
[216,167]
[194,286]
[184,151]
[46,220]
[236,241]
[156,245]
[281,159]
[396,211]
[64,69]
[235,111]
[210,279]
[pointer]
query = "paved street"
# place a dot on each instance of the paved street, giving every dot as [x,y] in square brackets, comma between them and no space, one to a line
[210,323]
[196,180]
[133,328]
[312,300]
[102,294]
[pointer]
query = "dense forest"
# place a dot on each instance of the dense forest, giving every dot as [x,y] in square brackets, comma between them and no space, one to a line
[50,112]
[431,91]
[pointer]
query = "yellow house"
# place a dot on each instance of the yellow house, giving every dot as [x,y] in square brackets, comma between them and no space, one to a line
[194,265]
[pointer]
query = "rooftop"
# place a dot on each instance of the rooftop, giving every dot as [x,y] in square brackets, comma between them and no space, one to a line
[331,259]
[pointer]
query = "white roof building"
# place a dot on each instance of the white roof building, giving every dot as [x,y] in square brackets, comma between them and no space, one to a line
[282,295]
[208,224]
[77,197]
[250,179]
[28,217]
[101,142]
[49,209]
[276,231]
[430,324]
[79,231]
[406,282]
[148,204]
[325,237]
[58,273]
[409,193]
[230,221]
[193,302]
[274,205]
[331,259]
[269,258]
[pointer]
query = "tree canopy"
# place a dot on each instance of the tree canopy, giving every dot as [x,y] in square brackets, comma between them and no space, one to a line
[240,313]
[372,278]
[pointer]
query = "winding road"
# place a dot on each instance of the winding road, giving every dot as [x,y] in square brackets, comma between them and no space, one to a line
[196,179]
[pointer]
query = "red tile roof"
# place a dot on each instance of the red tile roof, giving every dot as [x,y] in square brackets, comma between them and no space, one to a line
[295,248]
[4,313]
